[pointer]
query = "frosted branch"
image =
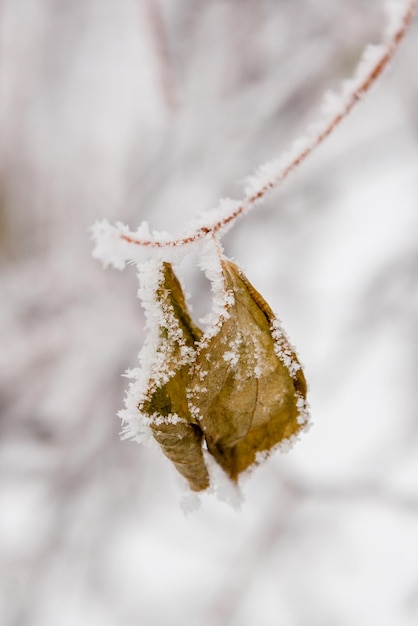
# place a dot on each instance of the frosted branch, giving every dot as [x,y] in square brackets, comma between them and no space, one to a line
[117,244]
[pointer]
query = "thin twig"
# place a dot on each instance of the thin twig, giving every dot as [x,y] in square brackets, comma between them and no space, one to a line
[280,170]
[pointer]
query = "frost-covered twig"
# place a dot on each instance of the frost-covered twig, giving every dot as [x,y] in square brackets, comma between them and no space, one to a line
[117,244]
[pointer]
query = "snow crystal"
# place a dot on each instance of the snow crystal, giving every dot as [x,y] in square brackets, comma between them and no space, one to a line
[395,14]
[283,446]
[202,373]
[108,245]
[193,408]
[304,418]
[171,418]
[231,357]
[371,57]
[334,106]
[210,263]
[259,368]
[117,245]
[134,425]
[303,411]
[213,217]
[154,358]
[287,444]
[113,249]
[283,348]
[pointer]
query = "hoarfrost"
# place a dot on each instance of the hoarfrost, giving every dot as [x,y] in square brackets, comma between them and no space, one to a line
[334,107]
[210,263]
[395,15]
[232,355]
[212,217]
[154,357]
[117,245]
[283,446]
[283,348]
[172,418]
[109,247]
[135,426]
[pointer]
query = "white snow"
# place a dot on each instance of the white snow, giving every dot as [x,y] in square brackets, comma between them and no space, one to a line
[155,358]
[223,299]
[395,11]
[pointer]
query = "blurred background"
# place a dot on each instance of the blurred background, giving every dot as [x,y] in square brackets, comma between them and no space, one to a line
[152,110]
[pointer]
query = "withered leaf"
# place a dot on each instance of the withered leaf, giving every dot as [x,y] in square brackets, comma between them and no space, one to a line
[247,388]
[173,427]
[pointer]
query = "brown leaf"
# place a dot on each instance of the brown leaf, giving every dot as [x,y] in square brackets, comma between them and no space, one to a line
[247,390]
[173,427]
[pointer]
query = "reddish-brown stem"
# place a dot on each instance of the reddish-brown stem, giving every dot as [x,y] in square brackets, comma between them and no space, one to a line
[294,162]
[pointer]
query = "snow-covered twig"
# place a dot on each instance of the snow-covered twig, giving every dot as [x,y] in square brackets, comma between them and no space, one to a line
[117,244]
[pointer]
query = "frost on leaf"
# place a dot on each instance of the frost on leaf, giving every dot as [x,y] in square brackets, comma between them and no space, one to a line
[165,403]
[238,388]
[247,388]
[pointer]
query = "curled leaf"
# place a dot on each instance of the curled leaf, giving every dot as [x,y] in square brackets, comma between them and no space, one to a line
[165,404]
[247,390]
[239,388]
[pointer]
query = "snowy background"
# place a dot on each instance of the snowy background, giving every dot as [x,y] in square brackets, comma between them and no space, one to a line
[146,109]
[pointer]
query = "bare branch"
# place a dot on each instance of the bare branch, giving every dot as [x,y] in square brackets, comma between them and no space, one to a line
[336,108]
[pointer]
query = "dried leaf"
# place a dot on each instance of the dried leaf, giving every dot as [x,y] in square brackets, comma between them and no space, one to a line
[247,390]
[173,427]
[240,387]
